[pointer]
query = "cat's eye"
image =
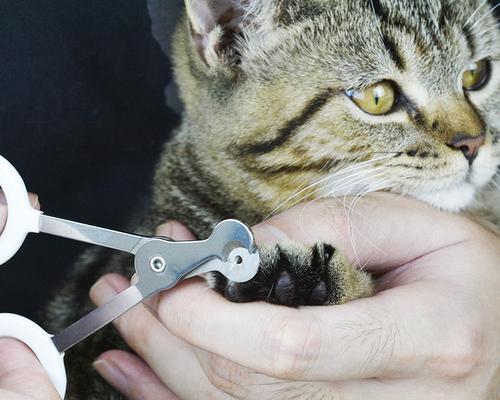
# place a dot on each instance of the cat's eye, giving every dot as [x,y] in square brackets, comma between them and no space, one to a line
[377,99]
[476,75]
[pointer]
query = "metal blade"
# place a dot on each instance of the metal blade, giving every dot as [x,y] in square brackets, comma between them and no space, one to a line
[98,318]
[90,234]
[241,266]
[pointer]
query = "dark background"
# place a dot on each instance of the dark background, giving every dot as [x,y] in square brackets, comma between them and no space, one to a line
[82,118]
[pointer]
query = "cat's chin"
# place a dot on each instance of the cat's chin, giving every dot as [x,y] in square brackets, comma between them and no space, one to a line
[450,199]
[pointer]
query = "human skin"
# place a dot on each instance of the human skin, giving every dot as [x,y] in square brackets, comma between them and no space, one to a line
[430,332]
[21,375]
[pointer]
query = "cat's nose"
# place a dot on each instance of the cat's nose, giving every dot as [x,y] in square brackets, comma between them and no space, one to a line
[469,145]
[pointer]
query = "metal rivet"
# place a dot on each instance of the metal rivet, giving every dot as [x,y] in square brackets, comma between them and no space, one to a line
[158,264]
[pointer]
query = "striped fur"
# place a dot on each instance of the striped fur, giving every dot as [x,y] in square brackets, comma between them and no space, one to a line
[266,116]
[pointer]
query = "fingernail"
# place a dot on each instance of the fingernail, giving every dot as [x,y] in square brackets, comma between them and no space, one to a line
[268,234]
[102,291]
[165,229]
[34,200]
[112,373]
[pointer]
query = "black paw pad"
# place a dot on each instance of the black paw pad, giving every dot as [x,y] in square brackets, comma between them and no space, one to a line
[290,276]
[319,294]
[238,293]
[231,292]
[284,289]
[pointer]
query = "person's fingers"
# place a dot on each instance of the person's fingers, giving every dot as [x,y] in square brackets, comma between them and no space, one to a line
[131,376]
[34,200]
[171,358]
[188,371]
[175,230]
[137,324]
[372,234]
[407,389]
[400,332]
[21,373]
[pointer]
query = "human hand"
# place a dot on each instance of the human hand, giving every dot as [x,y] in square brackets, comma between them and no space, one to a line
[21,375]
[430,332]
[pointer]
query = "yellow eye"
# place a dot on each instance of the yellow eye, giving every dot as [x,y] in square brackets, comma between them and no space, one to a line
[378,99]
[476,75]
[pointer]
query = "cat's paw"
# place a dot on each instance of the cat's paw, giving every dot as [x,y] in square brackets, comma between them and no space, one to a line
[294,275]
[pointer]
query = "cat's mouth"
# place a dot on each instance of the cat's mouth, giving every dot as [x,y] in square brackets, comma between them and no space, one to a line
[459,190]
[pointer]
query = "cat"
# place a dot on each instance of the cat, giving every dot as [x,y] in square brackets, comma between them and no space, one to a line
[321,98]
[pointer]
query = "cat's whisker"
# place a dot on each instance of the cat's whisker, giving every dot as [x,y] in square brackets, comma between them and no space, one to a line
[495,184]
[312,185]
[337,191]
[494,27]
[346,181]
[333,195]
[329,194]
[395,184]
[471,17]
[343,184]
[387,152]
[372,188]
[320,181]
[378,20]
[485,15]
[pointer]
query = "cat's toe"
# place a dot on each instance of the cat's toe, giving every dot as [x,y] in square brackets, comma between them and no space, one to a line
[235,292]
[319,294]
[296,276]
[285,289]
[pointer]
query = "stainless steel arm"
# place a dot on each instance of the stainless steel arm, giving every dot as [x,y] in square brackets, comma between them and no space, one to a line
[160,264]
[90,234]
[98,318]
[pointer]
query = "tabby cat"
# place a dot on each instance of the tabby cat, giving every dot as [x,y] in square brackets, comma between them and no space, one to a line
[321,98]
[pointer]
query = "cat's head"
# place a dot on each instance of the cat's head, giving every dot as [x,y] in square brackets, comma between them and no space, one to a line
[399,95]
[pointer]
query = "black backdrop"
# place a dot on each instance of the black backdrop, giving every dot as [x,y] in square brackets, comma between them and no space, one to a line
[82,117]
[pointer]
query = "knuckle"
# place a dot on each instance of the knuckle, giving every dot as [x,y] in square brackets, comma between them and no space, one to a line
[293,345]
[224,375]
[461,357]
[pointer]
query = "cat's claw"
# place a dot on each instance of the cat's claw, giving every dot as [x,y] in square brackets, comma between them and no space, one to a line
[284,289]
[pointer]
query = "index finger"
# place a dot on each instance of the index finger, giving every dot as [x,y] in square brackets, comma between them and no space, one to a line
[398,333]
[379,232]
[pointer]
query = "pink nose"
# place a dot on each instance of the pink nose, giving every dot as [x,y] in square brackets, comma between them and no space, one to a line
[469,145]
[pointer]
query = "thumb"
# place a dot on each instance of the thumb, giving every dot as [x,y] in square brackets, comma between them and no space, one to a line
[21,375]
[379,232]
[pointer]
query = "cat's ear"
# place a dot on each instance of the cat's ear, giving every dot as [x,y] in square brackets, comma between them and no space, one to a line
[213,26]
[216,24]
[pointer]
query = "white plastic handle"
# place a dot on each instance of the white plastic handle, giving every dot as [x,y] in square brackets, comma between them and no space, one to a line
[39,341]
[22,218]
